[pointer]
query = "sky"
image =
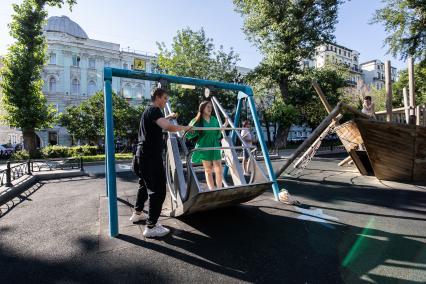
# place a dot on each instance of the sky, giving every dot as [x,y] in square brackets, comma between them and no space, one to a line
[139,24]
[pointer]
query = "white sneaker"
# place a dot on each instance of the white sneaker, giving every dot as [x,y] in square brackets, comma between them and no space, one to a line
[157,231]
[137,217]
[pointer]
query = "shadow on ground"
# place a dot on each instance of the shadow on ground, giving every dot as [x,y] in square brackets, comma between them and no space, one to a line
[250,244]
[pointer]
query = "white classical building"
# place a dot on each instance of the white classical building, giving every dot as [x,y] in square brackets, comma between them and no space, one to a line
[75,71]
[335,53]
[374,73]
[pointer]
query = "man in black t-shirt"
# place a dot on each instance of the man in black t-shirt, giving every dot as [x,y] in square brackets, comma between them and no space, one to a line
[152,182]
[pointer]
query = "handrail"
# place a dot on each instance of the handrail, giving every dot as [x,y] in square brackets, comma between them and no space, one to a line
[13,172]
[217,128]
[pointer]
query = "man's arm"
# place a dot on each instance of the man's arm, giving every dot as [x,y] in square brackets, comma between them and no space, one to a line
[172,116]
[166,125]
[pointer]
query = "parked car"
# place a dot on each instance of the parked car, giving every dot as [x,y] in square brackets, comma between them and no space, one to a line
[5,151]
[18,147]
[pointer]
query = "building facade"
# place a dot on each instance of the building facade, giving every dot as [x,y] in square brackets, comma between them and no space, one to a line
[74,71]
[374,73]
[337,54]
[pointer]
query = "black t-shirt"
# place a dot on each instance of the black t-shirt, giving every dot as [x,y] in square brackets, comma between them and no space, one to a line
[150,133]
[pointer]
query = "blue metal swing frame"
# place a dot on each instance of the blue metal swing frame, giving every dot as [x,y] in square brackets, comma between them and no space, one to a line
[109,73]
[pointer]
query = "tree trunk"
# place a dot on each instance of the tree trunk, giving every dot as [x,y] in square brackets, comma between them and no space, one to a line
[283,83]
[268,133]
[30,141]
[281,140]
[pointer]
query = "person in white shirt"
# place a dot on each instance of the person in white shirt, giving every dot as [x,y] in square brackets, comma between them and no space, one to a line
[368,107]
[248,139]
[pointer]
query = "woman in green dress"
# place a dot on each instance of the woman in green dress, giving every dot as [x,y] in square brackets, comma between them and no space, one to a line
[211,159]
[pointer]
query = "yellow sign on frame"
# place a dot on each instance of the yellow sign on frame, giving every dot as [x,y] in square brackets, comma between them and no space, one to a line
[139,64]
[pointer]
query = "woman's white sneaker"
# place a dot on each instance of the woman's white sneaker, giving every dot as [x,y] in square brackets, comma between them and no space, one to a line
[137,217]
[157,231]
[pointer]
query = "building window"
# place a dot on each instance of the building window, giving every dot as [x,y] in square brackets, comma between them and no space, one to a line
[52,85]
[75,87]
[52,59]
[355,58]
[340,51]
[91,88]
[53,138]
[139,91]
[344,53]
[92,63]
[75,61]
[127,91]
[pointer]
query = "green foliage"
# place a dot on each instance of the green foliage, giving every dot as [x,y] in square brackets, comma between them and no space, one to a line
[64,151]
[332,80]
[55,151]
[420,85]
[84,150]
[286,31]
[21,83]
[405,23]
[193,54]
[281,113]
[100,158]
[302,97]
[20,155]
[86,121]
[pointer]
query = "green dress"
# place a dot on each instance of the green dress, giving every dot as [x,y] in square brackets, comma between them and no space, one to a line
[206,139]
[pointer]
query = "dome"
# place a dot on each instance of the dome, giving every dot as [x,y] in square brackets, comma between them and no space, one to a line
[64,24]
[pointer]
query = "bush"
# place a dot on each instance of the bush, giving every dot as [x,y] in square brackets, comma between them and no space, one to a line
[83,150]
[56,152]
[64,152]
[20,155]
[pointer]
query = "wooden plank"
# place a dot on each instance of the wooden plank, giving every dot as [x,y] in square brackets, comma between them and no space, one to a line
[390,148]
[349,135]
[419,172]
[406,105]
[388,85]
[345,161]
[314,135]
[322,97]
[358,163]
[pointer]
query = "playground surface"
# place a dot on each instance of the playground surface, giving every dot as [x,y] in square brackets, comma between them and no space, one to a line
[349,229]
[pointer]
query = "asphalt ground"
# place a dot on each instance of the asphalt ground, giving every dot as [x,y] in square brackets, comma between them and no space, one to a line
[349,229]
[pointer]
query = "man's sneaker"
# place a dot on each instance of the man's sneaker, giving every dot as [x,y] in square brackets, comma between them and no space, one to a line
[137,217]
[157,231]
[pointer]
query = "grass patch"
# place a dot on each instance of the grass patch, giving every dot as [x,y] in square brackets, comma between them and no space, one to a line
[118,156]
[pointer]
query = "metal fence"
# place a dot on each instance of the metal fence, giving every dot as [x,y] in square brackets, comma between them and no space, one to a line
[15,171]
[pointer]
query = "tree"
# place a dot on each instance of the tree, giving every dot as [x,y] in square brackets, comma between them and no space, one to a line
[22,85]
[332,78]
[286,32]
[302,104]
[86,121]
[405,23]
[420,85]
[193,54]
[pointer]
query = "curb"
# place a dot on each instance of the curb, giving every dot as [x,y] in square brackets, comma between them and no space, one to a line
[11,192]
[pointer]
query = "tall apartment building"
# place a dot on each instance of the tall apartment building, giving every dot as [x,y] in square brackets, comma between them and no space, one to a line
[374,73]
[335,53]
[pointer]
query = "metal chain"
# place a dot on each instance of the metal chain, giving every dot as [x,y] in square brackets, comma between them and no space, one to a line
[313,150]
